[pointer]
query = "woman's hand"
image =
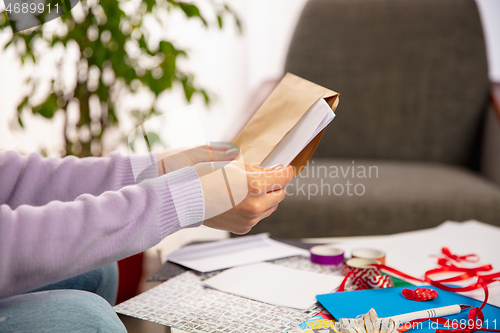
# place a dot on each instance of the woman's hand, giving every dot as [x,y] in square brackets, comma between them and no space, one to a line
[175,159]
[238,196]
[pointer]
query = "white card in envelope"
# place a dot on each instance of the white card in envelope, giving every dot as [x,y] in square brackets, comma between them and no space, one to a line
[314,121]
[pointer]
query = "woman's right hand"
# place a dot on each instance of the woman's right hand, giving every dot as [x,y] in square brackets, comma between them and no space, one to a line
[237,196]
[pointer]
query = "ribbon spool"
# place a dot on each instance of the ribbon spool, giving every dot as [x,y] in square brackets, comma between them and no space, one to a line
[358,266]
[365,276]
[371,254]
[326,255]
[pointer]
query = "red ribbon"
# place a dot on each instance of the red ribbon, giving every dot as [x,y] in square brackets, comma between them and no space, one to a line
[468,258]
[476,315]
[347,276]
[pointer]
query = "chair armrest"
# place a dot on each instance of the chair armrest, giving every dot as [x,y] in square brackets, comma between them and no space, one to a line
[490,148]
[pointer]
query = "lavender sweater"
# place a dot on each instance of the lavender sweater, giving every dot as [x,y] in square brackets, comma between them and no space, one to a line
[63,217]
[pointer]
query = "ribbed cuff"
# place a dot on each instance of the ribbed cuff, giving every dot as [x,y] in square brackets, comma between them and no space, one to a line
[123,171]
[182,201]
[131,170]
[144,167]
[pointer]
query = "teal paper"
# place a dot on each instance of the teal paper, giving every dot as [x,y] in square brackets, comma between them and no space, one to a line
[390,302]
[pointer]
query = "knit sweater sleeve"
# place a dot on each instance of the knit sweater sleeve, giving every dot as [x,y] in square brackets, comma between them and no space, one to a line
[42,244]
[36,181]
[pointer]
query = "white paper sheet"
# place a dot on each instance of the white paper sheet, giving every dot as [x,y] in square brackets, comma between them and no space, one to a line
[275,284]
[313,121]
[233,252]
[416,252]
[183,302]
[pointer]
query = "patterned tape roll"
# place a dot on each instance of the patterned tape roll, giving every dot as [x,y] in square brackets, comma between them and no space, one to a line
[369,254]
[380,281]
[364,276]
[360,265]
[326,255]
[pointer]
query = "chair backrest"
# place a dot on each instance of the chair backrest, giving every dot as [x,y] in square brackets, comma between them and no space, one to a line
[412,76]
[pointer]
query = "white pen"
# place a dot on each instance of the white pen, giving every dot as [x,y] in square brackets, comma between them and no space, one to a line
[430,313]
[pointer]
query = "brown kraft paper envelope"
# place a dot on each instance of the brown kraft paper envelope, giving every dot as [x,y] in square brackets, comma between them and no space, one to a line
[281,111]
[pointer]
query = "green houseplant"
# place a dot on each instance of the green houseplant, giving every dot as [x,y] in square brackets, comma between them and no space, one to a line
[107,68]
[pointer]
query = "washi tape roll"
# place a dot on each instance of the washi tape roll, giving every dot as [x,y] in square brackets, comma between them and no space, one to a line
[369,254]
[326,255]
[380,281]
[360,265]
[364,276]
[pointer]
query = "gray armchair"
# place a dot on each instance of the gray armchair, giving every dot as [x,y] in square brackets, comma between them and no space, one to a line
[415,106]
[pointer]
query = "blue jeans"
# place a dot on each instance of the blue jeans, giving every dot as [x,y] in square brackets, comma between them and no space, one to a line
[79,304]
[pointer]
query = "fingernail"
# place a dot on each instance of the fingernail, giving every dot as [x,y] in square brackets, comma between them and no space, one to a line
[220,144]
[277,167]
[233,151]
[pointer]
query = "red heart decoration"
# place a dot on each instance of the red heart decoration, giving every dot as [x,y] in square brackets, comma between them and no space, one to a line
[419,294]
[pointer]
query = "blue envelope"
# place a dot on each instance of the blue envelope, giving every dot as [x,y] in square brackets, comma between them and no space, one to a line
[390,302]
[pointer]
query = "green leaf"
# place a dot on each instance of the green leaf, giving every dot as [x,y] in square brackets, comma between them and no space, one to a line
[112,116]
[47,108]
[206,96]
[188,89]
[4,20]
[238,25]
[138,115]
[166,48]
[102,91]
[150,4]
[143,45]
[152,138]
[236,18]
[7,45]
[24,103]
[189,9]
